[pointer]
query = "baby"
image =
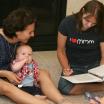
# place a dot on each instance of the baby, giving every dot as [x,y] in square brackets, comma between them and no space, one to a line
[27,70]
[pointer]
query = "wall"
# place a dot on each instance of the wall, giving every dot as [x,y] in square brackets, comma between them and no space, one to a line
[74,5]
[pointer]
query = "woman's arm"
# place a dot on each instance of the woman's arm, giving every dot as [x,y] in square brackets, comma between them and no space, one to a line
[62,54]
[3,65]
[102,53]
[12,77]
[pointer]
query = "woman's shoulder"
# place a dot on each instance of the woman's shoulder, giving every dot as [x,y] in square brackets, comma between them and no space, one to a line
[69,21]
[1,32]
[70,18]
[1,36]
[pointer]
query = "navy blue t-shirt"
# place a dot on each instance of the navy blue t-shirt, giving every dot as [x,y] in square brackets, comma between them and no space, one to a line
[7,53]
[82,48]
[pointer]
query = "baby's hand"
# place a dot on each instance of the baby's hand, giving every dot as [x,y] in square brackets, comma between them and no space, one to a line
[26,59]
[17,59]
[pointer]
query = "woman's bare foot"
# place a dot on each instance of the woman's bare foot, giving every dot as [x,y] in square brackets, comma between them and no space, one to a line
[41,97]
[65,101]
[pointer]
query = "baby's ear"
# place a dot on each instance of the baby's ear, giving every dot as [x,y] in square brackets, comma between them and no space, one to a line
[16,56]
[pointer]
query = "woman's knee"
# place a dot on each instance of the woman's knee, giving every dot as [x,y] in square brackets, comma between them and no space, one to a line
[65,86]
[44,73]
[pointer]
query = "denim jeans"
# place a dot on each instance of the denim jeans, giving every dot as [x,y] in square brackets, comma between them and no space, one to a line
[66,86]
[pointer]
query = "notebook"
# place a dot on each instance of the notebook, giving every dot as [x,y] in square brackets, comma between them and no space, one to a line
[94,75]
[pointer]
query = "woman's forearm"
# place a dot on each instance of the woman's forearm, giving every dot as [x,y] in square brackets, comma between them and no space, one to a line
[3,73]
[63,59]
[67,71]
[102,61]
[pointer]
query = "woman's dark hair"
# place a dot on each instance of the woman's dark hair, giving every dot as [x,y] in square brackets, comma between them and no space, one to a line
[17,20]
[95,8]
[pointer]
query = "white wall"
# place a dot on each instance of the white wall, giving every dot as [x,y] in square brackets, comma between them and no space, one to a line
[74,5]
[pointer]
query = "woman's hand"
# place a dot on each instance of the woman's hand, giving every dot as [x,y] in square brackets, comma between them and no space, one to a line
[13,78]
[67,72]
[97,101]
[94,102]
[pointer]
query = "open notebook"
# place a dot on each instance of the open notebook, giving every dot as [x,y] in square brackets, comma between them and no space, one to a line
[94,75]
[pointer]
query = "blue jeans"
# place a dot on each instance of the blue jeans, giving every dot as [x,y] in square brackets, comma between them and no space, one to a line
[66,86]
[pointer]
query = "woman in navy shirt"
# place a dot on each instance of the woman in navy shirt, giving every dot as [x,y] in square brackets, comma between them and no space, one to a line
[19,27]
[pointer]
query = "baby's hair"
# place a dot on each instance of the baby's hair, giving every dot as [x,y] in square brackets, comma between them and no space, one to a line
[23,46]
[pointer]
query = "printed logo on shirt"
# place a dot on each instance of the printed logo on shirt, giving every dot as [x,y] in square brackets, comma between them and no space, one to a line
[81,41]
